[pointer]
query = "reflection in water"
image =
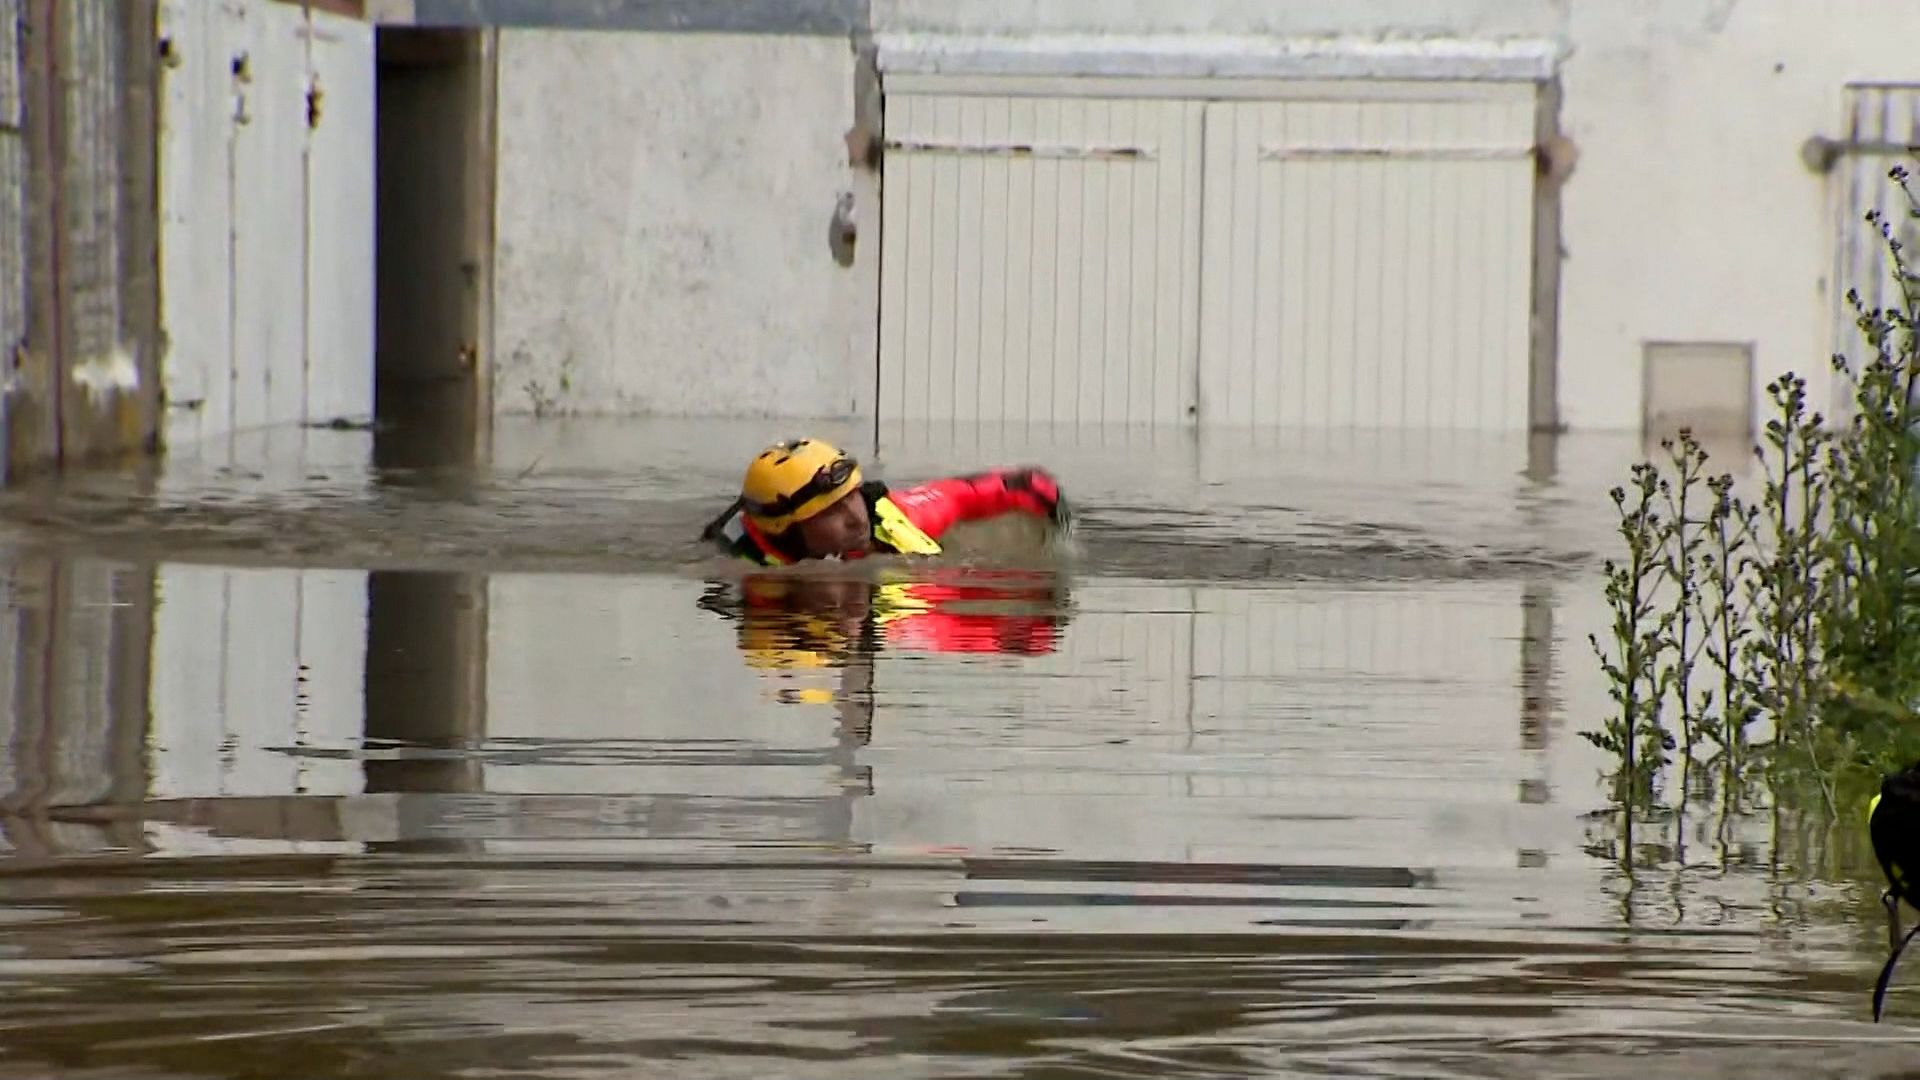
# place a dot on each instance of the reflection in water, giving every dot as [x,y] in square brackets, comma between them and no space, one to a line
[805,620]
[426,688]
[74,707]
[1158,819]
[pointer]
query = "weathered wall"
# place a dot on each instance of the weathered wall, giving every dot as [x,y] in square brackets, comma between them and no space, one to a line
[665,203]
[1690,214]
[267,225]
[79,341]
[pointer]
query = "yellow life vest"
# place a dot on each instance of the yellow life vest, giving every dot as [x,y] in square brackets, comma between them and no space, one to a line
[895,530]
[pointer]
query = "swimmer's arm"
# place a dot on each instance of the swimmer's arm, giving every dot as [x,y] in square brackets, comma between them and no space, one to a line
[938,505]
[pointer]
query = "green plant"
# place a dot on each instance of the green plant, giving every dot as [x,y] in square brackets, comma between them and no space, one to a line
[1723,607]
[1788,569]
[1797,611]
[1639,632]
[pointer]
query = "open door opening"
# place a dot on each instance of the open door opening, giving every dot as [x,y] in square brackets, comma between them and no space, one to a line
[434,239]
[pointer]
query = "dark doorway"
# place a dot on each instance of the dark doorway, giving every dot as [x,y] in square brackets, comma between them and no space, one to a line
[434,246]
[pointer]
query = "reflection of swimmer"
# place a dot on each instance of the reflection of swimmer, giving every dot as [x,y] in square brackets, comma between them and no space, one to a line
[784,621]
[805,499]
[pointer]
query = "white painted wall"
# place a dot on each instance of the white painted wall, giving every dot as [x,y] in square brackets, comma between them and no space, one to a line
[663,213]
[266,217]
[1690,215]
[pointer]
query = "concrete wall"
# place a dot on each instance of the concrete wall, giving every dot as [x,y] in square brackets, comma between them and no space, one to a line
[665,205]
[1690,215]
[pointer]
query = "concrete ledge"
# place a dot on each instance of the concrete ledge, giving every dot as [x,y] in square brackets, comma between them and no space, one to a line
[836,18]
[1194,56]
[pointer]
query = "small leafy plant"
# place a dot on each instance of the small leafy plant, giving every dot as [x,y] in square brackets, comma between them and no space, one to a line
[1774,640]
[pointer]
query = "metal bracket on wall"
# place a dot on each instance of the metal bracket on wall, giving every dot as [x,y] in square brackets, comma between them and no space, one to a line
[1820,154]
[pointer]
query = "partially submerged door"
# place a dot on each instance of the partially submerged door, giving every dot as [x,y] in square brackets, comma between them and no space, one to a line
[1218,251]
[1368,263]
[1038,258]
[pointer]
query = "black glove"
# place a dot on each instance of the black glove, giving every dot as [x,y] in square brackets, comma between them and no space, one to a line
[1046,489]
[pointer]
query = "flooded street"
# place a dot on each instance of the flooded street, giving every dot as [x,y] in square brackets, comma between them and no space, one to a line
[316,765]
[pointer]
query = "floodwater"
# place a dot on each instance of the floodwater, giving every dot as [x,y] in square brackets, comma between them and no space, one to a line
[313,765]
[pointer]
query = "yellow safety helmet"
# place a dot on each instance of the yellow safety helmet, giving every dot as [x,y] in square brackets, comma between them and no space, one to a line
[792,481]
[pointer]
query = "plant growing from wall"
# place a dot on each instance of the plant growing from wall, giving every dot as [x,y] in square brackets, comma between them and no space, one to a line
[1773,640]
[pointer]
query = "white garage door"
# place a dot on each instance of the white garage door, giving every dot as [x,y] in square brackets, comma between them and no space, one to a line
[1368,264]
[1316,262]
[1036,254]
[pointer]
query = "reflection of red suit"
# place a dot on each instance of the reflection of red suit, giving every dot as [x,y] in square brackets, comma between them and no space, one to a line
[959,612]
[927,621]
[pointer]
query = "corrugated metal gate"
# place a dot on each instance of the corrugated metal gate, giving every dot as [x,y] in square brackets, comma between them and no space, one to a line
[13,197]
[1883,124]
[1368,263]
[79,284]
[1036,259]
[1317,257]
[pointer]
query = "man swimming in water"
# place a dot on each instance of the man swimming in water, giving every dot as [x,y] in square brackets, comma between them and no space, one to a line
[805,499]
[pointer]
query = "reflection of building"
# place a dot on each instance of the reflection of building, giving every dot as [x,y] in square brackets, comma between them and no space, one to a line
[73,703]
[555,710]
[1229,723]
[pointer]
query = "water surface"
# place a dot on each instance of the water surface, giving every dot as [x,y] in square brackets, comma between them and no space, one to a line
[317,767]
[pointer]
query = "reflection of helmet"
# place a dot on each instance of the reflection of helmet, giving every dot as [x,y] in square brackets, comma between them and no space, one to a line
[792,481]
[786,644]
[778,628]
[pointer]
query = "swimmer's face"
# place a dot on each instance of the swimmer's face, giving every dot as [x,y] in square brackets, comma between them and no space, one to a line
[841,529]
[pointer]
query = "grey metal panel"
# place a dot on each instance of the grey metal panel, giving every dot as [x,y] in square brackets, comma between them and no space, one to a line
[1883,121]
[13,197]
[13,242]
[822,17]
[105,255]
[91,72]
[10,95]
